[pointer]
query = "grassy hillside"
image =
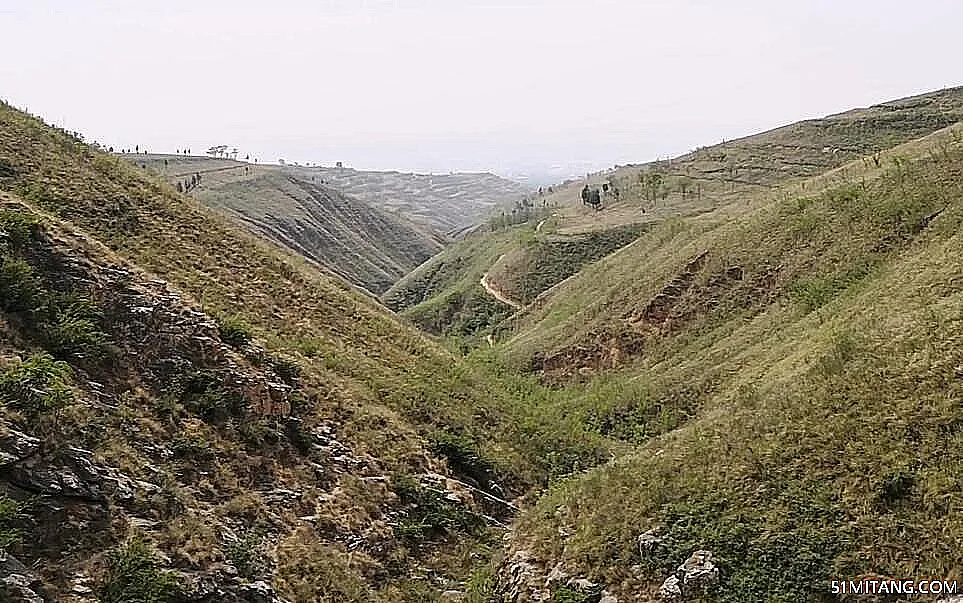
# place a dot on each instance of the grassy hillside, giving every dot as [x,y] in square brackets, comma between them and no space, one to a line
[294,430]
[769,370]
[364,243]
[564,236]
[445,296]
[721,175]
[792,379]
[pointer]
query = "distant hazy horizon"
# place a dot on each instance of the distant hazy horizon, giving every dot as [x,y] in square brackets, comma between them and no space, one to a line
[534,87]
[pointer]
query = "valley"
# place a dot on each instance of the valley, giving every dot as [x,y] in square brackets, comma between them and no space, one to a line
[736,380]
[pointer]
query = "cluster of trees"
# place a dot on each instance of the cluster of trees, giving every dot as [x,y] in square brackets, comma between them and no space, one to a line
[523,211]
[221,150]
[189,184]
[128,151]
[656,186]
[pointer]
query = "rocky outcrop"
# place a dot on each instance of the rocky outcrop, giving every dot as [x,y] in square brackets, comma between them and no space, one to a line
[696,576]
[16,446]
[73,473]
[224,586]
[17,582]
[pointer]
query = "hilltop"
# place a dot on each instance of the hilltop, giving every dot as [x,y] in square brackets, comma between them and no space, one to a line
[370,245]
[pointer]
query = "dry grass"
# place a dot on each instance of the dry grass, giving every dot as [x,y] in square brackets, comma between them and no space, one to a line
[820,410]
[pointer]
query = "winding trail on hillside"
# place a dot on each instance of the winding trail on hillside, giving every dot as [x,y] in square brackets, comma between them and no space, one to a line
[495,292]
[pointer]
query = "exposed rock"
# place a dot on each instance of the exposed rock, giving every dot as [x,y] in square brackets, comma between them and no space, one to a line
[15,445]
[257,592]
[608,598]
[452,596]
[671,589]
[649,541]
[73,473]
[582,584]
[699,572]
[557,574]
[223,586]
[522,580]
[16,588]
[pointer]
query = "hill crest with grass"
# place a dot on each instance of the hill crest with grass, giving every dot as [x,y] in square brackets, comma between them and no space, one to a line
[370,245]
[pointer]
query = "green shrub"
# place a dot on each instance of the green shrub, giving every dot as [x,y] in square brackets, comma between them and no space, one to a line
[73,330]
[205,393]
[309,347]
[299,437]
[813,293]
[895,488]
[430,514]
[20,228]
[246,555]
[11,512]
[193,448]
[464,457]
[19,287]
[133,576]
[568,594]
[287,370]
[482,587]
[234,330]
[37,385]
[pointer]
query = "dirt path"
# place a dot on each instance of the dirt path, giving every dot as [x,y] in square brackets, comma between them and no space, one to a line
[494,292]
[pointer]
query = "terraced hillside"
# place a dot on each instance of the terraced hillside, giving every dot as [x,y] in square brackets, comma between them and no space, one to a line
[555,242]
[449,203]
[365,243]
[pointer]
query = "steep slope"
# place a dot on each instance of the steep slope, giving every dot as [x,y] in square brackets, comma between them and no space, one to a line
[364,243]
[256,420]
[553,229]
[793,379]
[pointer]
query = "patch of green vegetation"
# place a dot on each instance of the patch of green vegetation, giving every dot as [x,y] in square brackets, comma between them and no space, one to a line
[247,555]
[430,515]
[813,292]
[134,576]
[287,369]
[568,594]
[37,385]
[234,330]
[460,314]
[309,348]
[550,260]
[19,287]
[464,457]
[192,448]
[72,329]
[795,553]
[20,229]
[68,324]
[206,393]
[11,513]
[482,586]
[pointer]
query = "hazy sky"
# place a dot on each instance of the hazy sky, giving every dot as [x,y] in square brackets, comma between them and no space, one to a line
[464,84]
